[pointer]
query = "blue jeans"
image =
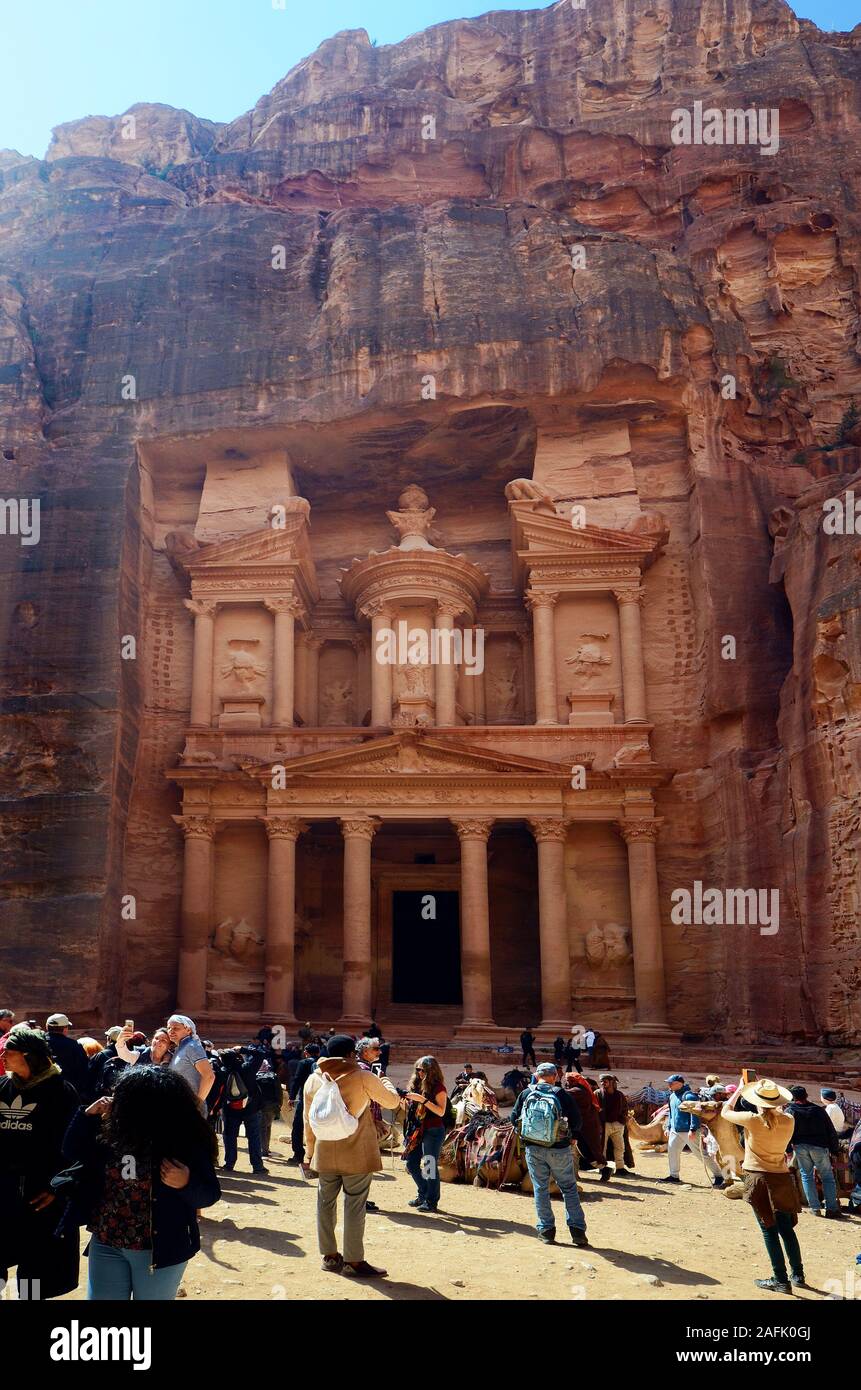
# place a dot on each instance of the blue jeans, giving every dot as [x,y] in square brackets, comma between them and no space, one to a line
[232,1120]
[810,1157]
[120,1275]
[544,1164]
[423,1165]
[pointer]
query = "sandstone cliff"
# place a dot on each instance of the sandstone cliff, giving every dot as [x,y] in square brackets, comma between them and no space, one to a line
[428,198]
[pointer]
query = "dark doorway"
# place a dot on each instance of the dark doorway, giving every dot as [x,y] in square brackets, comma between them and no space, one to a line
[425,949]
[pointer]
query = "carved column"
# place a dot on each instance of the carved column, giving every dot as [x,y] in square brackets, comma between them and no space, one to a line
[527,667]
[631,643]
[360,645]
[358,834]
[479,694]
[544,648]
[280,950]
[446,672]
[381,671]
[300,696]
[550,835]
[474,927]
[201,662]
[313,646]
[197,881]
[640,837]
[286,611]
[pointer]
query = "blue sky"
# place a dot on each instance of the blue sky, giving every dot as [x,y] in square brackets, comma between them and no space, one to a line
[63,59]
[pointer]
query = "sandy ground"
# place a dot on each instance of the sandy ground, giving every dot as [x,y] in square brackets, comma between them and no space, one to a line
[648,1240]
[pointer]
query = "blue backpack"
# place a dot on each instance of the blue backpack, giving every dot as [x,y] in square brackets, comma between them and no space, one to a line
[541,1119]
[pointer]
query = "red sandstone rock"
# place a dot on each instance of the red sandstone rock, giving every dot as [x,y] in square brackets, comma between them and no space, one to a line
[451,256]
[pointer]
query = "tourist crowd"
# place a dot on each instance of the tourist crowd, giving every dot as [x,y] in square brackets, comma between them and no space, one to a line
[121,1138]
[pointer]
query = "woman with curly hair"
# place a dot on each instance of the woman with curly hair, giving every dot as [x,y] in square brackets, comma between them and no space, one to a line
[424,1131]
[148,1165]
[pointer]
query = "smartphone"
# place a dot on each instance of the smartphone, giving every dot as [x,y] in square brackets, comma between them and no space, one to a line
[130,1023]
[748,1074]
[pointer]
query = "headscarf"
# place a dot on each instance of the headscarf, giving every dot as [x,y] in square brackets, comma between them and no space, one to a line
[572,1079]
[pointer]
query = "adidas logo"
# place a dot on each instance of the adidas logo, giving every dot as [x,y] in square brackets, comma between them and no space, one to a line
[14,1116]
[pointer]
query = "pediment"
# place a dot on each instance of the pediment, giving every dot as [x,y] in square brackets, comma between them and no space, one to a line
[417,757]
[538,537]
[283,546]
[270,544]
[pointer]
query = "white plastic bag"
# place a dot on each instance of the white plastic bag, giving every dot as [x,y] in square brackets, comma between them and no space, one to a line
[328,1116]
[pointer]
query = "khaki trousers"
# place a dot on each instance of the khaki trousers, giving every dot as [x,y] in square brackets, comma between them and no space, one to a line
[356,1187]
[615,1131]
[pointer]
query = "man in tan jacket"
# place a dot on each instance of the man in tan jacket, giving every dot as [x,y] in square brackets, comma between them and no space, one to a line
[346,1163]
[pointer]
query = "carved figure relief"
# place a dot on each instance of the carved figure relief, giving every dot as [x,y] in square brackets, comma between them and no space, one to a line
[242,671]
[336,701]
[589,657]
[633,753]
[607,946]
[413,680]
[830,671]
[505,692]
[237,940]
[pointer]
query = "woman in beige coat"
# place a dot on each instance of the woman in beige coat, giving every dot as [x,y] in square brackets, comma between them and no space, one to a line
[346,1164]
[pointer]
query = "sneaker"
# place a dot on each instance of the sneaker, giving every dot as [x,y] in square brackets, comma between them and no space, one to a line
[362,1270]
[604,1175]
[669,1178]
[624,1173]
[261,1172]
[798,1281]
[227,1167]
[773,1285]
[579,1237]
[718,1183]
[424,1206]
[836,1215]
[333,1264]
[416,1202]
[547,1236]
[371,1206]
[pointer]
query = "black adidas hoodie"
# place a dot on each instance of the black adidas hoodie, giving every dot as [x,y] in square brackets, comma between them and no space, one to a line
[32,1126]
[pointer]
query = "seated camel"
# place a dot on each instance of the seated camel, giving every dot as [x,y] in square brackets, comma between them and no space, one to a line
[727,1136]
[477,1095]
[485,1151]
[652,1136]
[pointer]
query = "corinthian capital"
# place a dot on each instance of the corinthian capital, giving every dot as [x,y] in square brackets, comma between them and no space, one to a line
[197,827]
[549,828]
[473,829]
[360,828]
[201,607]
[631,830]
[376,609]
[283,827]
[629,593]
[284,605]
[540,598]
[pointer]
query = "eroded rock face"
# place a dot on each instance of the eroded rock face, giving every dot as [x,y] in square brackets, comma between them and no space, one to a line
[425,204]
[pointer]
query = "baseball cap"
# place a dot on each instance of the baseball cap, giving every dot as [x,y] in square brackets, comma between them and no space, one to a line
[59,1021]
[676,1076]
[546,1069]
[113,1033]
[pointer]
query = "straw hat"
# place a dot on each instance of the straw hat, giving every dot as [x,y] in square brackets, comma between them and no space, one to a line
[765,1093]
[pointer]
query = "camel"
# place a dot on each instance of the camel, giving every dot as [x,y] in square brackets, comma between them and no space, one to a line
[650,1137]
[725,1134]
[485,1152]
